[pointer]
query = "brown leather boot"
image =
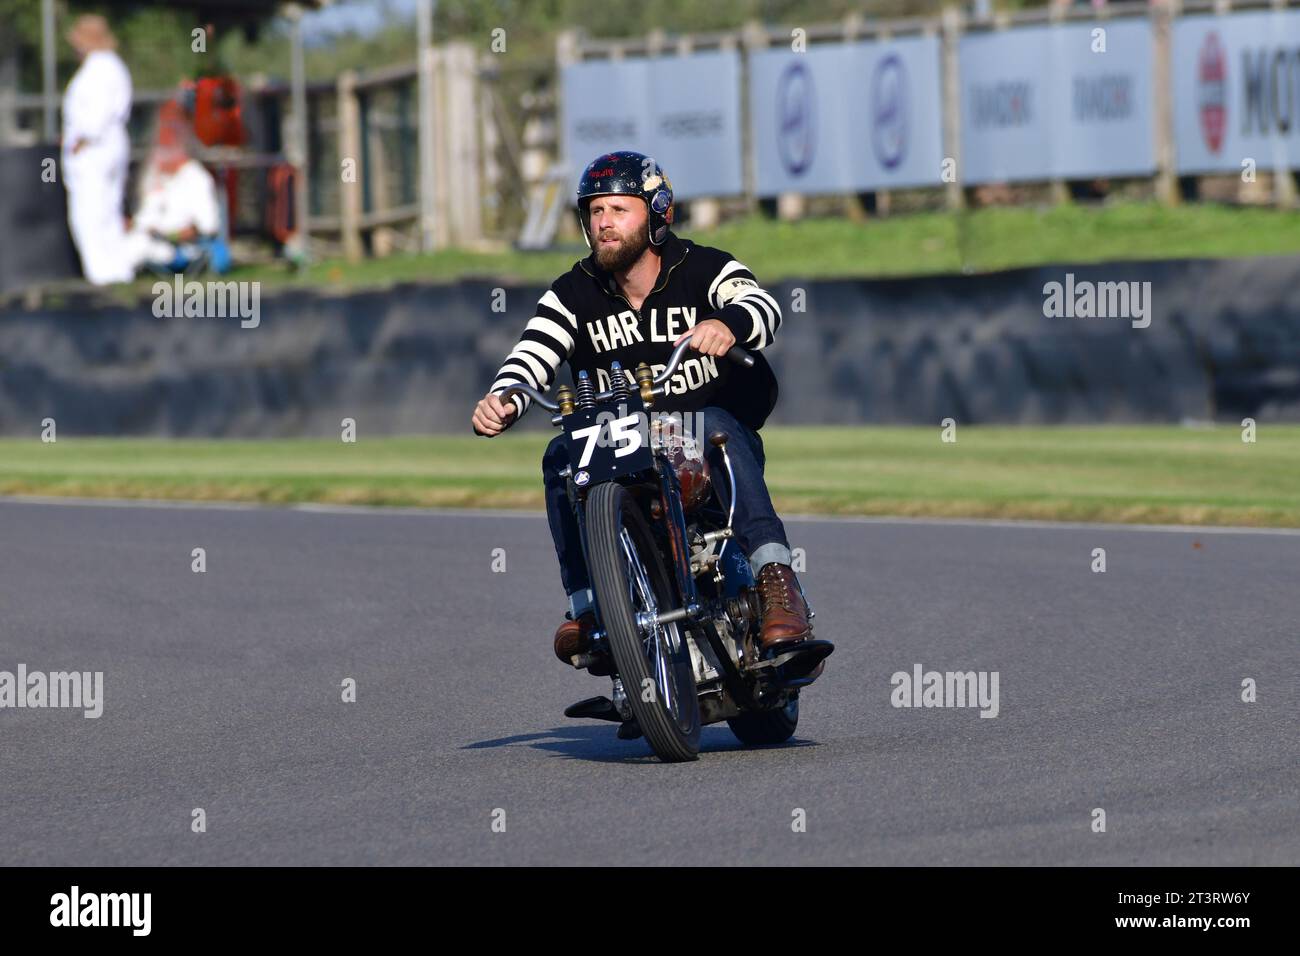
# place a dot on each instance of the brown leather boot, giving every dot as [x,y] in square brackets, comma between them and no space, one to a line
[573,638]
[573,645]
[785,616]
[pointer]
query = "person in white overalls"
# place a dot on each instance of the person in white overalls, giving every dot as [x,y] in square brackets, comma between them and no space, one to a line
[96,151]
[178,204]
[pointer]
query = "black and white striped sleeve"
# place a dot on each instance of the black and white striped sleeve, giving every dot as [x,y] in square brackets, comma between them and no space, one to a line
[546,343]
[750,312]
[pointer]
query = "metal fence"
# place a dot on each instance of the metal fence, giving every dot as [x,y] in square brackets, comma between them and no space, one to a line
[1160,171]
[373,184]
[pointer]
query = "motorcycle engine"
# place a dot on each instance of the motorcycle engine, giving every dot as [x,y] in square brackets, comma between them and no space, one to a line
[688,460]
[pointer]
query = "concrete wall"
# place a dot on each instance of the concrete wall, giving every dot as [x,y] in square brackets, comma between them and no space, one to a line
[1224,342]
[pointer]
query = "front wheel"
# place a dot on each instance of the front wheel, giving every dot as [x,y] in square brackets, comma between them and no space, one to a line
[629,578]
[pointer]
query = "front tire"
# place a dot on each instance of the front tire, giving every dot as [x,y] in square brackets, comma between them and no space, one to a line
[628,576]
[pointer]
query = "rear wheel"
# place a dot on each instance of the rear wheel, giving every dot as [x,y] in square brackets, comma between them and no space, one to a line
[767,726]
[629,578]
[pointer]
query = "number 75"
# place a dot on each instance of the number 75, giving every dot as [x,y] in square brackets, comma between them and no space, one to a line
[622,432]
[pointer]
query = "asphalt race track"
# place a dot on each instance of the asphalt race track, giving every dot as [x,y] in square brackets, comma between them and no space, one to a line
[222,691]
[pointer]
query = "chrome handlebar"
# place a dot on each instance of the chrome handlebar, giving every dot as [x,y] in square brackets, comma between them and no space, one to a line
[735,353]
[532,393]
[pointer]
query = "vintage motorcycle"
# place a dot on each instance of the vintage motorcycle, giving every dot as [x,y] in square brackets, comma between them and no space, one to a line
[675,600]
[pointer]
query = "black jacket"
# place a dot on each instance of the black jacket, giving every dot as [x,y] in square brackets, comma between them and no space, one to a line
[584,320]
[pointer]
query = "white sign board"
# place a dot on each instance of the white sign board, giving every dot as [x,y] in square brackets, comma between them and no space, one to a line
[1067,101]
[1236,91]
[849,117]
[682,110]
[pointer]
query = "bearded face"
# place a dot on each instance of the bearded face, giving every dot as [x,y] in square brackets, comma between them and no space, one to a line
[619,231]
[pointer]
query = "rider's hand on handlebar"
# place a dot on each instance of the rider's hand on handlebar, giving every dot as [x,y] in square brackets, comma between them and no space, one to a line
[492,415]
[710,337]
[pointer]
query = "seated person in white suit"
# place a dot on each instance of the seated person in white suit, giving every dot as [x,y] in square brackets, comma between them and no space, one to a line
[179,210]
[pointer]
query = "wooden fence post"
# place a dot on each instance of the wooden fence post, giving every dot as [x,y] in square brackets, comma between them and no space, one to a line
[1166,184]
[954,196]
[350,160]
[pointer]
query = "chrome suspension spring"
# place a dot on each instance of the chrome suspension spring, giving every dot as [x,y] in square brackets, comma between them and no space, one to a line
[586,394]
[619,382]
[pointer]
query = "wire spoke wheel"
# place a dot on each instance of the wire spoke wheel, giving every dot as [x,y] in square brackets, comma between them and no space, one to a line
[632,586]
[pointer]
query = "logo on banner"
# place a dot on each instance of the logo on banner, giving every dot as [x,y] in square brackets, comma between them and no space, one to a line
[1004,104]
[1212,79]
[889,111]
[605,129]
[796,136]
[1103,99]
[691,124]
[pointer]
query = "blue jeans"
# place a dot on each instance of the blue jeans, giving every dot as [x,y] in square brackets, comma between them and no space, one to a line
[759,532]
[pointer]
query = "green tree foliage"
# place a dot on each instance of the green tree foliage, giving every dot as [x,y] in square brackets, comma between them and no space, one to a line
[155,41]
[155,38]
[532,25]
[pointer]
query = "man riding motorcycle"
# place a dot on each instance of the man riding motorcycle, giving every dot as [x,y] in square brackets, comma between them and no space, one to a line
[641,292]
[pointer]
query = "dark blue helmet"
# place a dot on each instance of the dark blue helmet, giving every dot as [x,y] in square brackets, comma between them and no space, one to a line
[627,173]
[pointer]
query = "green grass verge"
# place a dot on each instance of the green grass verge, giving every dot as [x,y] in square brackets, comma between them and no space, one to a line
[1112,474]
[918,244]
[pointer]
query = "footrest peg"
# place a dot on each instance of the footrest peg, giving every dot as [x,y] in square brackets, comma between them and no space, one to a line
[594,708]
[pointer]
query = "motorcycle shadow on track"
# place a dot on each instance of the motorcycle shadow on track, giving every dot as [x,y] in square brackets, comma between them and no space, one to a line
[599,745]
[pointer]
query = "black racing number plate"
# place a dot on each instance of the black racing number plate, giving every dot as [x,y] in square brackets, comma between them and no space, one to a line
[608,441]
